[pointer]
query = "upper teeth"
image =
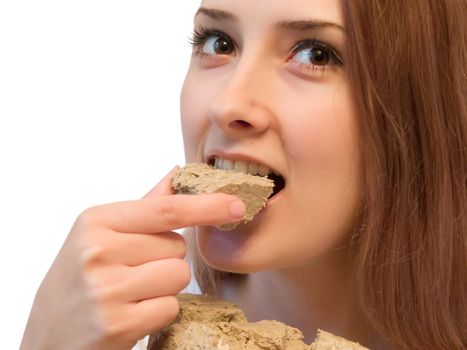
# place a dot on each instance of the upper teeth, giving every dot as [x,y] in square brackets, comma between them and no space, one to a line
[242,166]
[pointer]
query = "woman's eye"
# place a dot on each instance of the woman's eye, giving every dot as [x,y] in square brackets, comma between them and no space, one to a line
[317,55]
[217,45]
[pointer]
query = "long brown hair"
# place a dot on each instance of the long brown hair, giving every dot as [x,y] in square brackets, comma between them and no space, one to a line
[407,63]
[407,66]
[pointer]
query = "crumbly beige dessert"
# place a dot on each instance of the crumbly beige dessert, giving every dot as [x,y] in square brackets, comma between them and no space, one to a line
[200,178]
[327,341]
[207,323]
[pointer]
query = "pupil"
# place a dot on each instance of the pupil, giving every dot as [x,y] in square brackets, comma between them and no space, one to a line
[222,46]
[319,56]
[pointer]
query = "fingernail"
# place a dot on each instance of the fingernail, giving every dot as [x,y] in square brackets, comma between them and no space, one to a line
[237,209]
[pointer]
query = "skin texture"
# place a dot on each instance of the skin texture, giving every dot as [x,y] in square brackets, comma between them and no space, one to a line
[115,279]
[256,101]
[299,122]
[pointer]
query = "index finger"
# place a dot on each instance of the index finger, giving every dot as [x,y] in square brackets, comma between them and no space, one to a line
[170,212]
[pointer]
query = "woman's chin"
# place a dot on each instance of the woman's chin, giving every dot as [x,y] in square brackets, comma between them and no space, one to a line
[230,251]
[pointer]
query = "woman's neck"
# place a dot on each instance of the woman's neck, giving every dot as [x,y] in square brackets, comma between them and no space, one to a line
[308,297]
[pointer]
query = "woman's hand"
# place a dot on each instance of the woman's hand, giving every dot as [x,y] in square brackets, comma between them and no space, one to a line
[115,279]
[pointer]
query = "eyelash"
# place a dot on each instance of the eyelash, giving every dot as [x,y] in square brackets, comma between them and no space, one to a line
[201,34]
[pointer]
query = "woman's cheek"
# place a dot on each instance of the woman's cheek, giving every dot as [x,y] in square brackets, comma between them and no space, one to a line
[321,146]
[192,112]
[319,129]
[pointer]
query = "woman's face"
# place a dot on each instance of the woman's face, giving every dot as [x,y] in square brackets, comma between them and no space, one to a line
[267,86]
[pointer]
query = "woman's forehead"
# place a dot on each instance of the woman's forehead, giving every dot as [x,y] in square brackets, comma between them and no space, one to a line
[262,11]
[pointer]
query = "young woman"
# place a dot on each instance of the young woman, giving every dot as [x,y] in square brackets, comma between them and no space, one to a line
[361,108]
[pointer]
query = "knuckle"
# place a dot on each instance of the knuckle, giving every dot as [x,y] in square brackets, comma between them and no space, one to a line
[115,328]
[167,212]
[95,247]
[102,294]
[103,285]
[180,246]
[114,325]
[87,217]
[89,256]
[164,313]
[183,272]
[172,307]
[94,216]
[93,254]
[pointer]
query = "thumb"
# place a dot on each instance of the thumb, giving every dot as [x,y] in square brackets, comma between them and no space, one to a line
[164,187]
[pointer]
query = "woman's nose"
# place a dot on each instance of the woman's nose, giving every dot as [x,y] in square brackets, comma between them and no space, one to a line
[242,107]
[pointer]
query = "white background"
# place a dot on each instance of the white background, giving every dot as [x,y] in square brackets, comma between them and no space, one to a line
[89,114]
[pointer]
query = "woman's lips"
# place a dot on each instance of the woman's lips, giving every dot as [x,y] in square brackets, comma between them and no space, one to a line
[273,199]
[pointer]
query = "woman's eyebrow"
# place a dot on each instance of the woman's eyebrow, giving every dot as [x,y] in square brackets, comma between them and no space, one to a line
[294,25]
[302,25]
[216,14]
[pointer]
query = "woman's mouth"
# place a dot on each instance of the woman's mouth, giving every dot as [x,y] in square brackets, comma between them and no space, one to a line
[250,168]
